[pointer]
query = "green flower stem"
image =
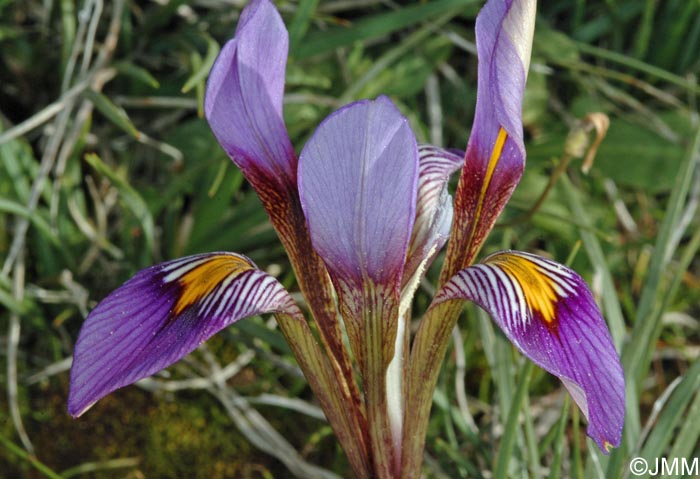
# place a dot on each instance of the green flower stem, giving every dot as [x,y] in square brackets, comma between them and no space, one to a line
[377,348]
[316,287]
[322,378]
[426,357]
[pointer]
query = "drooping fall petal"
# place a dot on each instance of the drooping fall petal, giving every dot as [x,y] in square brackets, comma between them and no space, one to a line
[163,313]
[243,101]
[495,156]
[547,311]
[357,182]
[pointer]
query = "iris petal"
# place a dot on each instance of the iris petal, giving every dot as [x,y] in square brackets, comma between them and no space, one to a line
[357,182]
[163,313]
[243,101]
[547,311]
[495,156]
[433,207]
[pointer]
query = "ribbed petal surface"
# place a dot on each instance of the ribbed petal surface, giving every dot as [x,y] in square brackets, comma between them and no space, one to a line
[357,182]
[163,313]
[243,101]
[547,311]
[433,207]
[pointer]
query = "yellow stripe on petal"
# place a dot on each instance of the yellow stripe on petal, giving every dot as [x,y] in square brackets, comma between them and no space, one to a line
[490,168]
[199,281]
[541,289]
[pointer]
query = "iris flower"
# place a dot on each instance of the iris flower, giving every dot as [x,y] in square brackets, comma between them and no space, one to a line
[362,212]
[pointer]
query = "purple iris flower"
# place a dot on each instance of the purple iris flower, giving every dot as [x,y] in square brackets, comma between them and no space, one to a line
[362,212]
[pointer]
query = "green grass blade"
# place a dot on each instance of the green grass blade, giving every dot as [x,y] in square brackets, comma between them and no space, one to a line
[505,450]
[202,70]
[686,440]
[15,450]
[132,199]
[375,26]
[112,112]
[300,22]
[645,324]
[136,72]
[673,415]
[555,469]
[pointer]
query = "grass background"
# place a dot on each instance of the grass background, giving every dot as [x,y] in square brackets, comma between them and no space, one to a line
[106,167]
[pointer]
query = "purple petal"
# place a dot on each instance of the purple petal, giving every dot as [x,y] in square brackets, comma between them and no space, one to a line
[547,311]
[433,207]
[357,182]
[163,313]
[243,102]
[495,156]
[504,31]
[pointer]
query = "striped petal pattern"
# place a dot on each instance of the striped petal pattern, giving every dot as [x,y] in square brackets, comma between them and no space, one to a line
[433,207]
[243,101]
[163,313]
[547,311]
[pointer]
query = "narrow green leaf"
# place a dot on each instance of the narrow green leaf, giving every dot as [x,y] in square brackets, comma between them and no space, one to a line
[15,450]
[394,54]
[641,43]
[686,440]
[131,198]
[201,70]
[88,467]
[68,27]
[300,22]
[375,26]
[12,207]
[137,73]
[638,65]
[673,415]
[512,426]
[114,113]
[645,325]
[558,458]
[8,301]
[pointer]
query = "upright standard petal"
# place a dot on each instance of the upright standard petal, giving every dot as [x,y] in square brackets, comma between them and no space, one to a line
[163,313]
[357,182]
[495,156]
[243,101]
[547,311]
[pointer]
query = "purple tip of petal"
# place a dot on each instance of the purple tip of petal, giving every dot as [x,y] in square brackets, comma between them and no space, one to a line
[243,101]
[504,31]
[547,311]
[357,182]
[160,315]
